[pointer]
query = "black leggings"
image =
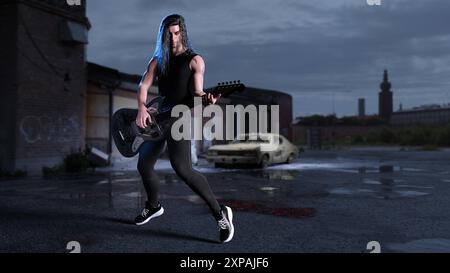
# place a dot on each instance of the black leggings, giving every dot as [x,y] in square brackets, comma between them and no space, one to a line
[180,159]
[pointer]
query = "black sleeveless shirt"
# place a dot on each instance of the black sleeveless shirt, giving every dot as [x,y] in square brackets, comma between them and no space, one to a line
[175,85]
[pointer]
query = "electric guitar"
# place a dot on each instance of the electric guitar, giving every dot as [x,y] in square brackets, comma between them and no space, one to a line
[128,137]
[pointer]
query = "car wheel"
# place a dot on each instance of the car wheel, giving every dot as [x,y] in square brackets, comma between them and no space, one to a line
[290,158]
[264,161]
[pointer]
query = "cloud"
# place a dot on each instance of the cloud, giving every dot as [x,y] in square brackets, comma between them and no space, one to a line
[310,49]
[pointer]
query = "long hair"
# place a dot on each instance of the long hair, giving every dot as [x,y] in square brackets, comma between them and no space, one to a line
[162,49]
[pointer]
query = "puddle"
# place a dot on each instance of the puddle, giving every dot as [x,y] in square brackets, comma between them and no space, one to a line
[269,190]
[436,245]
[278,174]
[412,170]
[347,170]
[132,194]
[415,187]
[215,170]
[371,182]
[312,166]
[386,188]
[411,193]
[344,191]
[341,191]
[229,190]
[125,179]
[380,169]
[102,182]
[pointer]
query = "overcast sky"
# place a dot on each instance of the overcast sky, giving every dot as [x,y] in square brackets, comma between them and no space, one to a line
[325,53]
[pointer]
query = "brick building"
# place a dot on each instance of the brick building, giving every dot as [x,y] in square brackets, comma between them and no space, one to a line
[43,82]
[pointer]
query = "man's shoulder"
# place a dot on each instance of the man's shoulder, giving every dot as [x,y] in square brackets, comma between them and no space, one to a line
[197,63]
[192,54]
[197,58]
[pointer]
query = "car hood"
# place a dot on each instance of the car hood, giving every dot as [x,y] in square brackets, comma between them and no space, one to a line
[235,147]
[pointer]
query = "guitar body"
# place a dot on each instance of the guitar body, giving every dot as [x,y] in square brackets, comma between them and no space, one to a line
[122,132]
[128,137]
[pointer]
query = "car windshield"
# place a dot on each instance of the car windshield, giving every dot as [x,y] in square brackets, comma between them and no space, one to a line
[258,140]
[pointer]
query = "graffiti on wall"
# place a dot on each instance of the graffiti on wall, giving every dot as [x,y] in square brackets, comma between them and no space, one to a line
[45,128]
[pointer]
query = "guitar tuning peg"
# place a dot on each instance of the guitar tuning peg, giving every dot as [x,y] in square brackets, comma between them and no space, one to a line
[239,81]
[218,83]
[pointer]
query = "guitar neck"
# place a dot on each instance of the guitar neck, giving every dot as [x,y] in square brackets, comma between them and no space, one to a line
[223,89]
[215,91]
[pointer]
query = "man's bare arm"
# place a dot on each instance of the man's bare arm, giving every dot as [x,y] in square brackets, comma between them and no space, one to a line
[146,83]
[197,65]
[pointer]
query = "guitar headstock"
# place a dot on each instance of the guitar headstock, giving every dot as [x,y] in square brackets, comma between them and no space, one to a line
[226,88]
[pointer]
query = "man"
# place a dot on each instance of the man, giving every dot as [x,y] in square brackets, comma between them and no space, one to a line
[180,74]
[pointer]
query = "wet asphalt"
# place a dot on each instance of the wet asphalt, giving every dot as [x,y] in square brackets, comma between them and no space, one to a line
[326,201]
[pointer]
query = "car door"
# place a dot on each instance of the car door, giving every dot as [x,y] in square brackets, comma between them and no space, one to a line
[280,151]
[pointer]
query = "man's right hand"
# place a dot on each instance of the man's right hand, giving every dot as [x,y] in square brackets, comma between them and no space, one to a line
[142,118]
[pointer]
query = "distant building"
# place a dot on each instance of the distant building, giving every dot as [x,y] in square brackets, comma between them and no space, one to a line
[385,102]
[361,107]
[424,115]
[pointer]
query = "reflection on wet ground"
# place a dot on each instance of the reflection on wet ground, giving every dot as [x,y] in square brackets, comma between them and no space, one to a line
[380,181]
[340,177]
[272,174]
[383,181]
[385,187]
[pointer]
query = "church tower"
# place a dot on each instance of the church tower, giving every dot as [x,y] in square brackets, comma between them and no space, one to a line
[385,104]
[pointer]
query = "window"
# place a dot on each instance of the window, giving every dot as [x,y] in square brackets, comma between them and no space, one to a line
[73,32]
